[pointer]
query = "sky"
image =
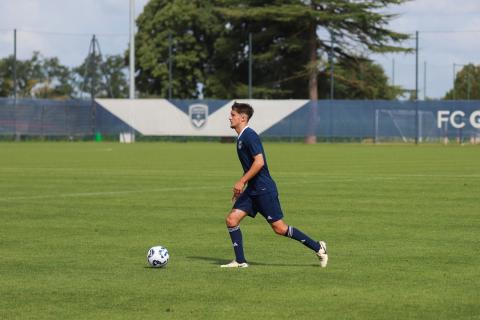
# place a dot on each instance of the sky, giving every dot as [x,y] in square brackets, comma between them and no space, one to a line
[449,33]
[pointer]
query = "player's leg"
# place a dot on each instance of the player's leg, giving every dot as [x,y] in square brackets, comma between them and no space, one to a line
[320,247]
[281,228]
[269,207]
[243,206]
[232,221]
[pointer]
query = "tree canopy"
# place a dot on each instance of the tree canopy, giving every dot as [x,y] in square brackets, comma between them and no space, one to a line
[291,39]
[357,78]
[466,85]
[205,44]
[102,78]
[46,77]
[36,77]
[187,28]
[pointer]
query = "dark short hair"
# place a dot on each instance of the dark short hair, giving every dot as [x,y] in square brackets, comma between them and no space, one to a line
[244,108]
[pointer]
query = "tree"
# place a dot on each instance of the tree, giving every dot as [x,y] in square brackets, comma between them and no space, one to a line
[114,69]
[357,78]
[189,28]
[354,25]
[37,77]
[57,80]
[278,56]
[466,85]
[104,78]
[210,44]
[6,76]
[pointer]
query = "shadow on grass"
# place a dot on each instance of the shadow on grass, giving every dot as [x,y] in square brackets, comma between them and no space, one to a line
[218,261]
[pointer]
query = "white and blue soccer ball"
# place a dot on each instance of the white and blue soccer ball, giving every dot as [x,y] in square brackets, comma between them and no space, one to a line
[158,256]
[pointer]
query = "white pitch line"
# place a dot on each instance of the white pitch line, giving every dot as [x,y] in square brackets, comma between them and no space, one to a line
[104,193]
[320,179]
[228,173]
[114,193]
[386,177]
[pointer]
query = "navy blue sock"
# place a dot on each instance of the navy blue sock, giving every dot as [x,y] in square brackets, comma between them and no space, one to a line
[298,235]
[237,242]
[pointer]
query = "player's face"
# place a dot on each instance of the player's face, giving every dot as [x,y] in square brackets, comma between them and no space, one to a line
[235,119]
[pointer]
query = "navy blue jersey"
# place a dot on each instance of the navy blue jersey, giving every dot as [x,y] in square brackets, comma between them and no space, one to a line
[248,146]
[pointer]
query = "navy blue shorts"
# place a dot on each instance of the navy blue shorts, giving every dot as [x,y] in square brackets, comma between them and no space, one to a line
[267,204]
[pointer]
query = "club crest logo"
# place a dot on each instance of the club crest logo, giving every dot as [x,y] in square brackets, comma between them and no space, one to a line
[198,114]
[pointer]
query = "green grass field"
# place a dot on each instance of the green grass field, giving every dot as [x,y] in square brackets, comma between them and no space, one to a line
[76,219]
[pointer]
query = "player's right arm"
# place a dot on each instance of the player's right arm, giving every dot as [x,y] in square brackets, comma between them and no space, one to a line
[257,165]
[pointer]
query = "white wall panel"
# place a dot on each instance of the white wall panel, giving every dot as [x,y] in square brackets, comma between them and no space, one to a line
[161,117]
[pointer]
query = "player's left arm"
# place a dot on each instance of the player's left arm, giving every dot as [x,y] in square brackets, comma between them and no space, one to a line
[257,165]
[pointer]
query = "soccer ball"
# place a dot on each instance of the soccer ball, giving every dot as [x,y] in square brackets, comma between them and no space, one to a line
[158,256]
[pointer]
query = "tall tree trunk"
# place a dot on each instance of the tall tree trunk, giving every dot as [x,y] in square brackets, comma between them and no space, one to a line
[311,137]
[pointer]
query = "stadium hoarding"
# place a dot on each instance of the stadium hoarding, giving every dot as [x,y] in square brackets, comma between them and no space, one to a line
[457,118]
[157,117]
[337,119]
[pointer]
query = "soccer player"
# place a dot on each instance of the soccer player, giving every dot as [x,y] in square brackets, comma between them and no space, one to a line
[260,195]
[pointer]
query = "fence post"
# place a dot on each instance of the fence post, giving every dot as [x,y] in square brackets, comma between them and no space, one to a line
[250,65]
[416,87]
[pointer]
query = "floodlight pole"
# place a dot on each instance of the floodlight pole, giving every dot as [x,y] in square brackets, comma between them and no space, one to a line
[170,75]
[132,62]
[468,84]
[15,64]
[393,72]
[132,50]
[93,67]
[455,65]
[17,133]
[425,80]
[332,78]
[416,65]
[453,88]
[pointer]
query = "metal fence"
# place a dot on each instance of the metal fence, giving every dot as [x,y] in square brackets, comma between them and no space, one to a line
[378,120]
[69,118]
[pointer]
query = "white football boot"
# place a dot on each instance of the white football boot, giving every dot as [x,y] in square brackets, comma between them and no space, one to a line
[322,254]
[234,264]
